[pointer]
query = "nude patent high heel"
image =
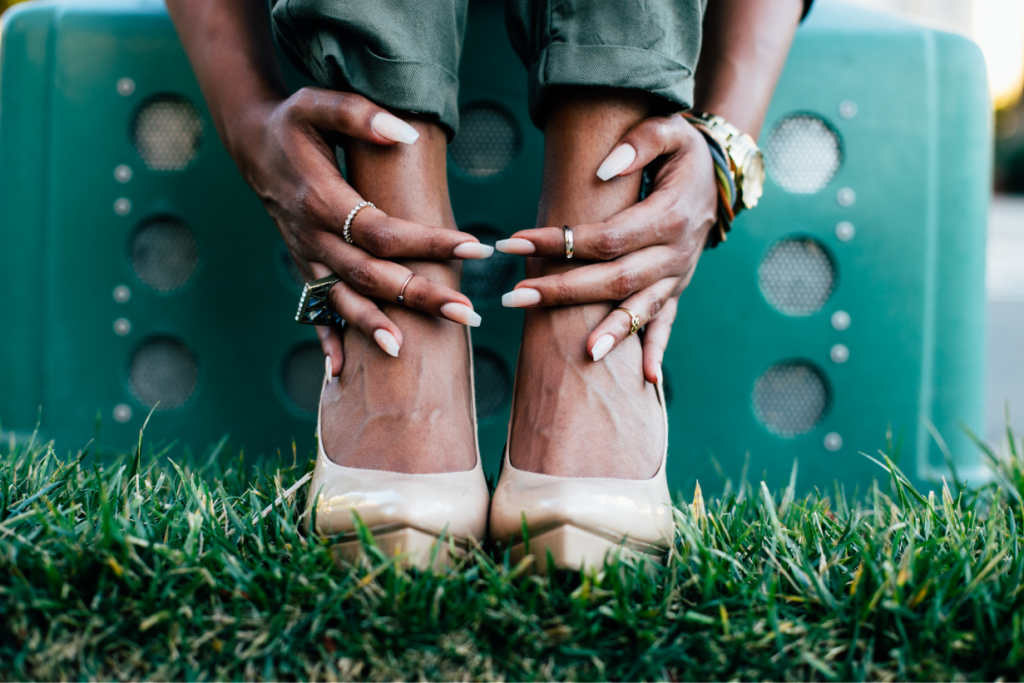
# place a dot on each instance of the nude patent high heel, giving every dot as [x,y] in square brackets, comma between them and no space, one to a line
[408,514]
[583,521]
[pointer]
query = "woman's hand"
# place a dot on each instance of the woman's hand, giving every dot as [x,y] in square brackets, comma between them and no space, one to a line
[645,255]
[286,151]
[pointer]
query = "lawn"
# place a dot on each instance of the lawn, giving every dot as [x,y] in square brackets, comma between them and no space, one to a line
[157,566]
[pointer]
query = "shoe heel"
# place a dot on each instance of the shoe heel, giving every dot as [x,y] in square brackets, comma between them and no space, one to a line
[570,548]
[415,547]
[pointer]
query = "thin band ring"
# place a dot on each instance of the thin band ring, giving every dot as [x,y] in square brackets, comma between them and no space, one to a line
[401,295]
[634,321]
[567,233]
[346,232]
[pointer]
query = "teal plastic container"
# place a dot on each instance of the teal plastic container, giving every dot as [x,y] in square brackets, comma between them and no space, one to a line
[851,299]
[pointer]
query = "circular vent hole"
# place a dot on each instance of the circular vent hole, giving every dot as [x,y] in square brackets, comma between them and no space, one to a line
[790,398]
[302,376]
[493,383]
[491,277]
[803,154]
[797,276]
[163,373]
[487,142]
[167,132]
[164,253]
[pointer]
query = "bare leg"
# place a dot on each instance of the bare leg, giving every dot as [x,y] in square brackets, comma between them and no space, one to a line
[575,417]
[411,413]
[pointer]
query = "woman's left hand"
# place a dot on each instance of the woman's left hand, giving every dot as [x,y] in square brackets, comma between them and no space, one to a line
[645,255]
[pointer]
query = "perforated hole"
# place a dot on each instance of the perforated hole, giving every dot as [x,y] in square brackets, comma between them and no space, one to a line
[803,154]
[487,142]
[164,253]
[491,277]
[790,398]
[797,276]
[167,132]
[493,383]
[163,373]
[302,376]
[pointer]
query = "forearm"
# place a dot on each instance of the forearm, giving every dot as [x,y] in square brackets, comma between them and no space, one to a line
[744,49]
[229,45]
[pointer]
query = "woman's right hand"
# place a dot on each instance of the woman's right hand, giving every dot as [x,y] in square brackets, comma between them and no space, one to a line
[285,150]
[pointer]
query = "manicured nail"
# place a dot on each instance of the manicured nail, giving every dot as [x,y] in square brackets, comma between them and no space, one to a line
[386,341]
[393,128]
[461,313]
[602,346]
[661,377]
[473,250]
[520,298]
[516,245]
[327,365]
[616,162]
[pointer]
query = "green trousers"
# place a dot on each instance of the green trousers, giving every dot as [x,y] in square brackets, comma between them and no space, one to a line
[405,53]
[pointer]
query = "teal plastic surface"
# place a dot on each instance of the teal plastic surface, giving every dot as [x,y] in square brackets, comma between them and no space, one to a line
[906,105]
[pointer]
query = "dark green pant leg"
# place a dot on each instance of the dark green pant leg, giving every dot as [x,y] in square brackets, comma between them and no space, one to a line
[398,53]
[649,45]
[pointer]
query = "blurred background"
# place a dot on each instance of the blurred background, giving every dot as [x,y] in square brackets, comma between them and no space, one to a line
[998,28]
[883,292]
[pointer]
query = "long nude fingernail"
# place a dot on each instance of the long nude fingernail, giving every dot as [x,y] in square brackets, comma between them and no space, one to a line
[661,377]
[462,314]
[516,245]
[617,162]
[387,341]
[393,128]
[520,298]
[473,250]
[602,346]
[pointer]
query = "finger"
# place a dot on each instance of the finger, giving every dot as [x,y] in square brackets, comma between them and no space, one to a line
[330,342]
[655,340]
[617,325]
[366,317]
[352,115]
[644,224]
[388,237]
[645,142]
[330,336]
[612,281]
[379,279]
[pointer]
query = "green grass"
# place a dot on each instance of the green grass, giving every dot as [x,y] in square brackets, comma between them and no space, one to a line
[141,568]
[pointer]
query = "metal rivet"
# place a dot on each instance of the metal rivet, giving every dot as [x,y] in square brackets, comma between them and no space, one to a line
[839,353]
[847,109]
[846,196]
[122,327]
[122,173]
[845,231]
[122,294]
[125,87]
[122,206]
[122,412]
[840,320]
[833,441]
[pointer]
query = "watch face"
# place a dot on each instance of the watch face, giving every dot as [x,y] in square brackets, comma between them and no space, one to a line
[753,179]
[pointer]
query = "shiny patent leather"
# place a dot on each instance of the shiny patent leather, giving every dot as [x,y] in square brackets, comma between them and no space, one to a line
[407,513]
[580,520]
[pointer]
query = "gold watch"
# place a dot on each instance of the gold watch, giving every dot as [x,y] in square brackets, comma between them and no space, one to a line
[744,156]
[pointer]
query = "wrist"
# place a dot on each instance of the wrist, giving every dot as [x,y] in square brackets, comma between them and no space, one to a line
[242,129]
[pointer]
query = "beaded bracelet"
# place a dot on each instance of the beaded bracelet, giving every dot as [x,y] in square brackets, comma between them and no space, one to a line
[724,179]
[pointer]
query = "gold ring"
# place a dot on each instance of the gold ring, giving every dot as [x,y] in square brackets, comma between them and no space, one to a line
[313,308]
[634,321]
[567,234]
[401,295]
